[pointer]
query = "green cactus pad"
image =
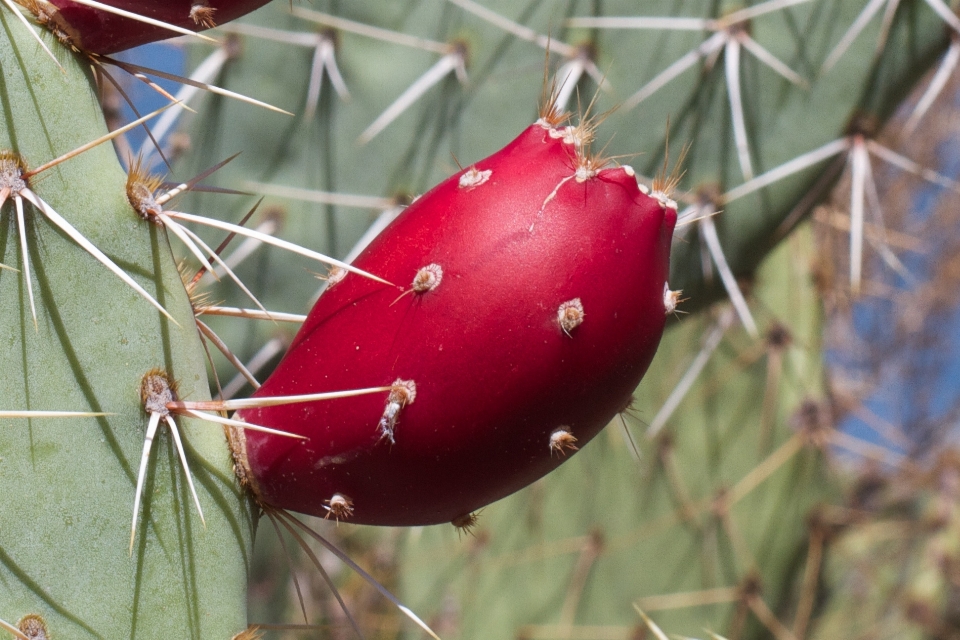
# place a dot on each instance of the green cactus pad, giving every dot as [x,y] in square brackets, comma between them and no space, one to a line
[68,483]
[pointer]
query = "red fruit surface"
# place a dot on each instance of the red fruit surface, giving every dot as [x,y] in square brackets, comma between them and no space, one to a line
[98,31]
[496,375]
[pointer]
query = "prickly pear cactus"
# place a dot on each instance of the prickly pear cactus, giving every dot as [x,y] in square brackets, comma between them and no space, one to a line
[765,102]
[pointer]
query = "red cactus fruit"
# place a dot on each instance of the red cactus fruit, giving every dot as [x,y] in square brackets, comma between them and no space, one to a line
[98,31]
[537,302]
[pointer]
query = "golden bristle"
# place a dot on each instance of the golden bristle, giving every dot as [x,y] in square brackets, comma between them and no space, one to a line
[561,441]
[467,523]
[548,112]
[138,174]
[590,162]
[549,92]
[202,15]
[12,161]
[199,300]
[141,187]
[664,182]
[585,115]
[583,135]
[339,506]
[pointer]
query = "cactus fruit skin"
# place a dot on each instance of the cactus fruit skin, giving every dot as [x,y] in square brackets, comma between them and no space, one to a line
[547,312]
[98,31]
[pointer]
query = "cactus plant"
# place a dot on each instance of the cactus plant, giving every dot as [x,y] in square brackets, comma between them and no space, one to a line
[760,130]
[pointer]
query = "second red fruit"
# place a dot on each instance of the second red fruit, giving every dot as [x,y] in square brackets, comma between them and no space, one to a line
[99,31]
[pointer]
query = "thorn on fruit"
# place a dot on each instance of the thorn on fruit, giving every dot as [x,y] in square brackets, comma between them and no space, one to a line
[578,136]
[561,441]
[473,177]
[666,182]
[335,275]
[404,392]
[427,278]
[554,132]
[586,170]
[664,200]
[202,15]
[339,506]
[551,114]
[670,299]
[570,315]
[466,523]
